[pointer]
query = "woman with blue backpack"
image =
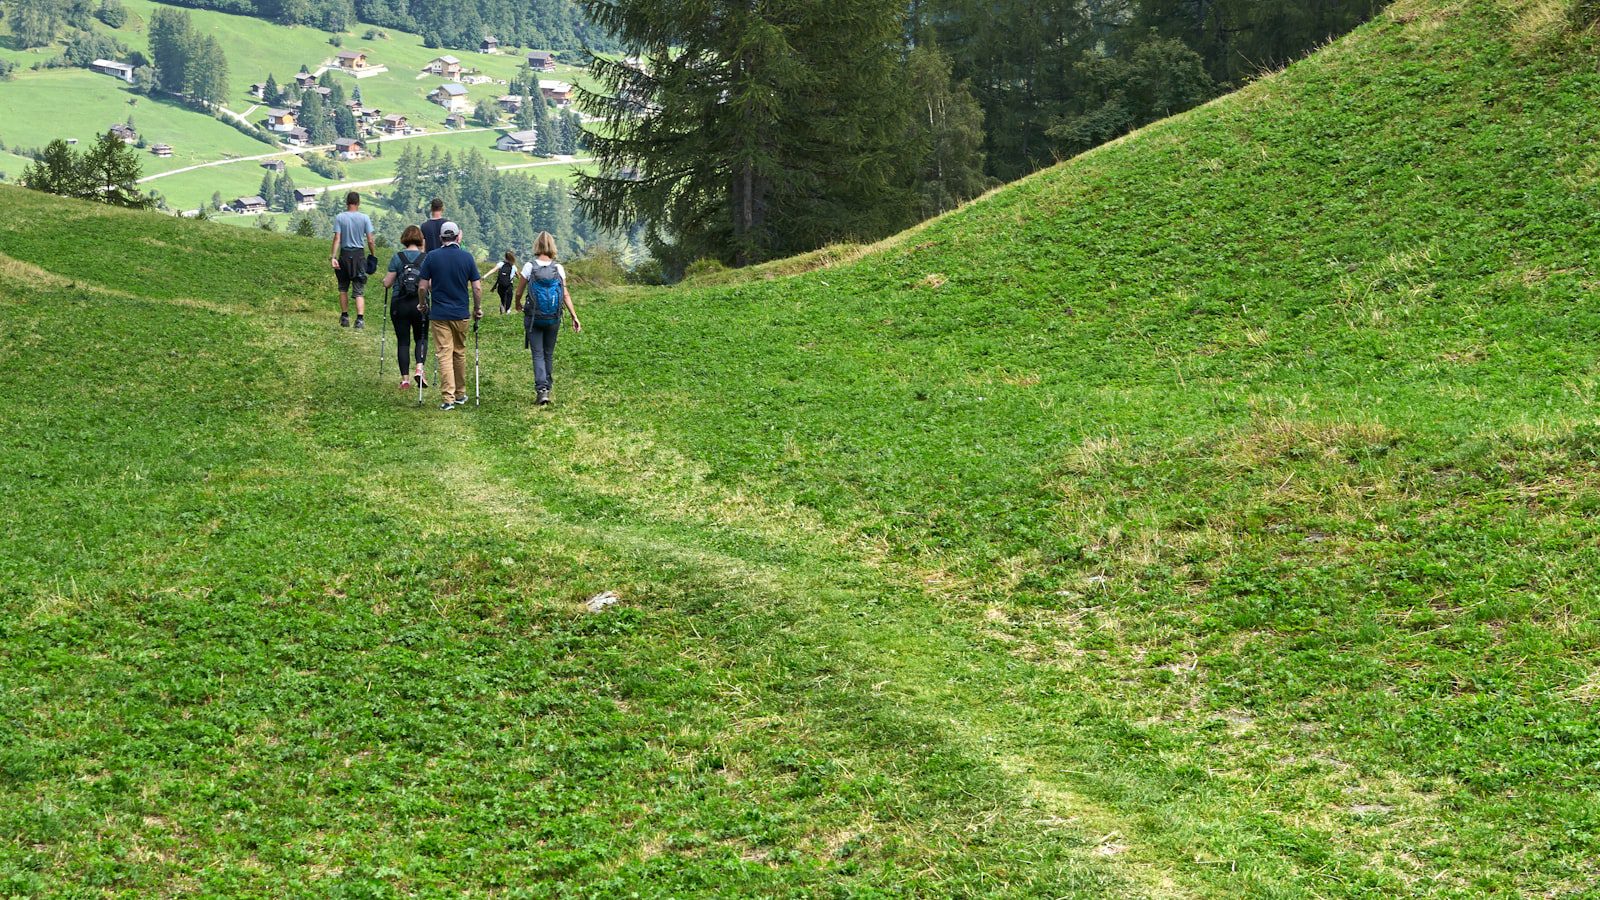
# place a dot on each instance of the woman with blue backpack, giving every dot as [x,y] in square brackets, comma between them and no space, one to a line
[544,282]
[407,307]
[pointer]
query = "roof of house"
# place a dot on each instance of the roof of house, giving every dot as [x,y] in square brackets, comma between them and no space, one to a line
[343,143]
[394,117]
[298,132]
[279,113]
[490,39]
[523,137]
[540,54]
[351,54]
[249,201]
[304,194]
[558,87]
[447,59]
[113,64]
[160,146]
[453,89]
[274,164]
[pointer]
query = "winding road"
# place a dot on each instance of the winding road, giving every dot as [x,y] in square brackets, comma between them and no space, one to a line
[304,150]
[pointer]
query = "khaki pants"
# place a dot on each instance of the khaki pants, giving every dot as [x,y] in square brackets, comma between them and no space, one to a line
[450,349]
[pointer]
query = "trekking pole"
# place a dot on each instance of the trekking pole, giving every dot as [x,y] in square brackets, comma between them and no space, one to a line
[382,330]
[477,393]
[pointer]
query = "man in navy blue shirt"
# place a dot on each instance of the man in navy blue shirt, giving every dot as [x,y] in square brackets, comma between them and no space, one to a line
[448,274]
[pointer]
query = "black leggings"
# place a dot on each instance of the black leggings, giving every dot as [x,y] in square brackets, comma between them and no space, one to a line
[409,327]
[505,297]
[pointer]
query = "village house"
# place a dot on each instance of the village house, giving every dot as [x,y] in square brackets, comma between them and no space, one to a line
[518,141]
[541,61]
[274,165]
[451,96]
[259,90]
[395,124]
[490,44]
[446,66]
[297,137]
[305,80]
[455,120]
[349,149]
[557,92]
[248,205]
[124,133]
[354,60]
[162,151]
[511,103]
[280,120]
[305,199]
[118,70]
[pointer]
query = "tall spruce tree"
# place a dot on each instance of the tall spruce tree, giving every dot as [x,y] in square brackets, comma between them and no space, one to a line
[171,42]
[946,130]
[767,130]
[314,117]
[112,169]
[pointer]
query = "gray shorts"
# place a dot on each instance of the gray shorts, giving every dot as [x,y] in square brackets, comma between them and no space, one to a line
[353,271]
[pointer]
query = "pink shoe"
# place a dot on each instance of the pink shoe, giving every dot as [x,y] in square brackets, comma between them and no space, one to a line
[405,385]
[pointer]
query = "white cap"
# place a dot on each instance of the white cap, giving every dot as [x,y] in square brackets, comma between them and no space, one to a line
[449,229]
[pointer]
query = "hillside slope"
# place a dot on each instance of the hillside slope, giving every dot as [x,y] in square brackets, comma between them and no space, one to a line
[1212,515]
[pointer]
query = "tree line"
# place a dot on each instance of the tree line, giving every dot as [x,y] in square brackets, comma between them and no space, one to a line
[107,172]
[751,132]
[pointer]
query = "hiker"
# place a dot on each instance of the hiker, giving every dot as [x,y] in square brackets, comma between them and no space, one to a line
[447,273]
[353,247]
[546,280]
[503,273]
[406,309]
[430,228]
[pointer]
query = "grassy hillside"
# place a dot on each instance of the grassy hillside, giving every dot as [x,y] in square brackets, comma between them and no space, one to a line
[1212,515]
[254,48]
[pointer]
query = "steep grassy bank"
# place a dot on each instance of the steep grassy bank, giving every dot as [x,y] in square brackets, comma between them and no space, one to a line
[1209,516]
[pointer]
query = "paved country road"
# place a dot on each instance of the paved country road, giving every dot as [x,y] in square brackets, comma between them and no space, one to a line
[552,161]
[304,150]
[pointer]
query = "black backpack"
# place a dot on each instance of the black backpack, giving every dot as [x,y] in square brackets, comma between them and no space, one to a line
[503,280]
[407,284]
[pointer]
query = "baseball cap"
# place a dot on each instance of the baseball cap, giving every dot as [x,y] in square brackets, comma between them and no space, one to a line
[449,229]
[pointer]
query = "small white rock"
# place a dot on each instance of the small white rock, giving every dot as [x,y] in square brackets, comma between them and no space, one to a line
[601,600]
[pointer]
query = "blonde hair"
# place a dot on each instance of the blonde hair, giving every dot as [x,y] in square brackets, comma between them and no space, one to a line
[545,245]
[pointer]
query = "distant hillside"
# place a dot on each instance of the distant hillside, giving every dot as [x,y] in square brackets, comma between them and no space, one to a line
[255,48]
[547,24]
[1211,515]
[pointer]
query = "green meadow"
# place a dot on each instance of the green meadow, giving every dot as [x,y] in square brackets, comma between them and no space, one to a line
[37,107]
[1211,515]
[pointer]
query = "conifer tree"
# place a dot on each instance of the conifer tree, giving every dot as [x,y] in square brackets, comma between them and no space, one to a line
[268,190]
[112,170]
[769,129]
[270,94]
[58,170]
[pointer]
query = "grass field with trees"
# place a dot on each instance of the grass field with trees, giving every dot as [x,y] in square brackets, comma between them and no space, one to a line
[254,48]
[1211,515]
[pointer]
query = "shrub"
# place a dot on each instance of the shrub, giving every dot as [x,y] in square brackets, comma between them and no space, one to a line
[599,268]
[704,267]
[336,41]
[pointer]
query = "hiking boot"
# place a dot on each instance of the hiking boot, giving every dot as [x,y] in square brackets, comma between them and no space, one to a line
[361,322]
[544,398]
[344,320]
[446,406]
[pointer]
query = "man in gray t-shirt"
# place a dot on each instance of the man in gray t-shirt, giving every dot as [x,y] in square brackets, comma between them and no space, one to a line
[352,244]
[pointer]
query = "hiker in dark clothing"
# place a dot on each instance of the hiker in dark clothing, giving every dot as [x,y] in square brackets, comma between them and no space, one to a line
[430,228]
[502,277]
[406,307]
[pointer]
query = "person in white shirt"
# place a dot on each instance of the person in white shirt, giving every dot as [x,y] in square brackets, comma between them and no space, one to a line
[544,283]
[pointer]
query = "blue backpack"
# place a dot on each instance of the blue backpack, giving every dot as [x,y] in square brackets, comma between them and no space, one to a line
[546,283]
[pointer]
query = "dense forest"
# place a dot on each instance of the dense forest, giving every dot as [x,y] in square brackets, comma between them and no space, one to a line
[462,24]
[745,133]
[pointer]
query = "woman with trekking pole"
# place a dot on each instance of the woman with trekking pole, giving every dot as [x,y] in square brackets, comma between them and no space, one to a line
[406,307]
[545,281]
